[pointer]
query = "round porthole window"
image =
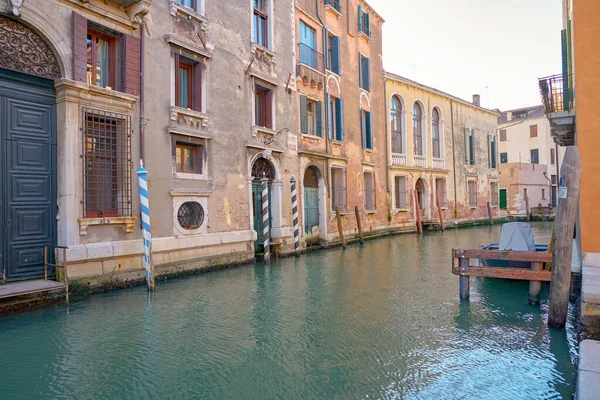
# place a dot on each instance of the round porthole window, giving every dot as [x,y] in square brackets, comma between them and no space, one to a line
[190,215]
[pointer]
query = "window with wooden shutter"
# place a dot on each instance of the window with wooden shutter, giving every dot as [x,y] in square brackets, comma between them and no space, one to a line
[263,107]
[338,178]
[472,191]
[494,193]
[401,192]
[304,114]
[533,131]
[440,186]
[472,148]
[493,153]
[101,56]
[369,190]
[339,117]
[503,135]
[535,156]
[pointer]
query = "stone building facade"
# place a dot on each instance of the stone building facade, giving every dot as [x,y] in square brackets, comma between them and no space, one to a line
[439,143]
[341,131]
[218,111]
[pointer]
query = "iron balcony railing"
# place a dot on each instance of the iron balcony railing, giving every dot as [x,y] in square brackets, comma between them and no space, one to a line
[335,4]
[557,93]
[311,57]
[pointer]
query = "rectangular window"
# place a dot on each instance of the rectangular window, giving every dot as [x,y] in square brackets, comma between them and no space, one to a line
[261,23]
[472,148]
[494,193]
[263,99]
[188,158]
[336,119]
[366,128]
[338,195]
[333,54]
[364,22]
[188,83]
[189,3]
[106,164]
[552,157]
[101,59]
[503,135]
[184,88]
[503,158]
[336,4]
[401,192]
[440,186]
[311,117]
[472,189]
[543,194]
[364,71]
[553,179]
[535,156]
[369,190]
[532,131]
[493,153]
[308,46]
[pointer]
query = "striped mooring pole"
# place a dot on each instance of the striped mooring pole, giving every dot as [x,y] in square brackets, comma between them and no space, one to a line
[145,208]
[265,217]
[295,215]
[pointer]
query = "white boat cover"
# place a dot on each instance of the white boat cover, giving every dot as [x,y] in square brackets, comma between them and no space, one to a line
[516,236]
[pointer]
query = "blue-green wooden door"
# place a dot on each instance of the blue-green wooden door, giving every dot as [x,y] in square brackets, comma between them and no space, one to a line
[27,174]
[503,199]
[311,209]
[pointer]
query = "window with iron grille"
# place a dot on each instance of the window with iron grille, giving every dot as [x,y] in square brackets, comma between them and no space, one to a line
[106,157]
[494,190]
[440,186]
[369,189]
[338,180]
[472,188]
[401,191]
[190,215]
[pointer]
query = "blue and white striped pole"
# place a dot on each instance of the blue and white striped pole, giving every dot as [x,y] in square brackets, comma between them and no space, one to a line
[145,208]
[295,215]
[265,217]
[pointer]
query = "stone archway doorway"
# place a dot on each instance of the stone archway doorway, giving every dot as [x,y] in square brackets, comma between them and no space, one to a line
[422,196]
[311,201]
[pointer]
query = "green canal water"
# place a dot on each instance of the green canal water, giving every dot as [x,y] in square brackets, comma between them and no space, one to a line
[381,320]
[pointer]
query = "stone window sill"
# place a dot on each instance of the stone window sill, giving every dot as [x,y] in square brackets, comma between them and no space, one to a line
[337,14]
[191,14]
[313,137]
[84,223]
[187,175]
[261,129]
[367,212]
[188,118]
[337,142]
[364,36]
[401,210]
[258,49]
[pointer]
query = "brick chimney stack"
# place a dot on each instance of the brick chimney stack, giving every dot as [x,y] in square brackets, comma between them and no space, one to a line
[477,100]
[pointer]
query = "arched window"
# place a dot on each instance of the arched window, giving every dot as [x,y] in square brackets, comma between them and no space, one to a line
[396,122]
[435,133]
[417,130]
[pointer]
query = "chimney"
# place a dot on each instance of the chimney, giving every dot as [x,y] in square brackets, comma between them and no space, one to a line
[477,100]
[508,115]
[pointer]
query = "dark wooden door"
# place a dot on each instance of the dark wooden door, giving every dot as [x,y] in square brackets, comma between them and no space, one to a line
[27,174]
[503,199]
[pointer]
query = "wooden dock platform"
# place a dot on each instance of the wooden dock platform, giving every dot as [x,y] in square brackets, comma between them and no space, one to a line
[29,287]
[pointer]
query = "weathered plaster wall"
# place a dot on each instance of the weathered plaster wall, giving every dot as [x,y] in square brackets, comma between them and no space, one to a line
[515,177]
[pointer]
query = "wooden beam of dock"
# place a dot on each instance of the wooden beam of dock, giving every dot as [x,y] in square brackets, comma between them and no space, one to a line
[504,272]
[507,255]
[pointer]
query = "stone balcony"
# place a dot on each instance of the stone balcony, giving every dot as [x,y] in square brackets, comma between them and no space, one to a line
[439,163]
[420,161]
[398,160]
[558,99]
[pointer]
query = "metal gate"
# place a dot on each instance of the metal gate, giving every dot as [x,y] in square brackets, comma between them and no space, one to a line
[259,244]
[27,174]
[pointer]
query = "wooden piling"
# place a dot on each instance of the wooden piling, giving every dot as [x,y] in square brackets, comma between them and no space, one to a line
[340,228]
[418,213]
[465,291]
[437,201]
[527,207]
[566,216]
[535,287]
[489,207]
[359,224]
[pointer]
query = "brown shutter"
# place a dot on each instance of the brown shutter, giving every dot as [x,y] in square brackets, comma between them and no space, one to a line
[79,44]
[269,108]
[197,86]
[131,56]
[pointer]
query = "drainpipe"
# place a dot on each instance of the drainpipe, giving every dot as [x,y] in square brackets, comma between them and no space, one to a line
[142,116]
[453,158]
[325,55]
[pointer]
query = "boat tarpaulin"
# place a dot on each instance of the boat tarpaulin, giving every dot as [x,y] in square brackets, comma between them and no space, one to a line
[516,236]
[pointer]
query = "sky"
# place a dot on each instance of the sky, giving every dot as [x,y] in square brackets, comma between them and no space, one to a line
[495,48]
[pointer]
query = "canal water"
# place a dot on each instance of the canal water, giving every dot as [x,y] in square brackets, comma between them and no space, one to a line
[381,320]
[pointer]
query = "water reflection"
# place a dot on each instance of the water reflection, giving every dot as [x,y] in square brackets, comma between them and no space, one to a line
[381,320]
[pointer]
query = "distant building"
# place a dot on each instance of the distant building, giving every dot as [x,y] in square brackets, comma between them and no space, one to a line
[528,160]
[439,146]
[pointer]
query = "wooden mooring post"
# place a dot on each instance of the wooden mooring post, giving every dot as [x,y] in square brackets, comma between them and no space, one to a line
[437,201]
[340,228]
[418,213]
[489,208]
[528,214]
[535,287]
[465,285]
[566,214]
[359,224]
